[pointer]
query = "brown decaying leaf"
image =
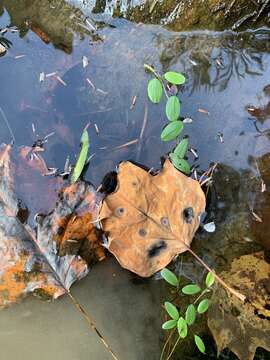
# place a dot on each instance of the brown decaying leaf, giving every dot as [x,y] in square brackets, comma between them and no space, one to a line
[150,219]
[242,327]
[29,262]
[72,224]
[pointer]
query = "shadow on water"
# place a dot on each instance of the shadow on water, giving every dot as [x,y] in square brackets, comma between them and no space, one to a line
[227,74]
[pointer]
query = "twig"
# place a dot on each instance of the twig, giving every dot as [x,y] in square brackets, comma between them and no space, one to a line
[142,132]
[165,345]
[7,124]
[261,10]
[222,282]
[86,316]
[172,351]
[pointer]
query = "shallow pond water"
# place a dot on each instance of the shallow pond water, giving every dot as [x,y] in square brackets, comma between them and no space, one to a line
[228,76]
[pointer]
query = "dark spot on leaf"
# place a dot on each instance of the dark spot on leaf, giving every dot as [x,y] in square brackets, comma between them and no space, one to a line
[120,211]
[60,230]
[164,221]
[109,183]
[155,249]
[188,214]
[142,232]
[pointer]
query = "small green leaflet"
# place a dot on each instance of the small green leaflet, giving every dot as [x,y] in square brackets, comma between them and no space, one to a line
[82,157]
[154,90]
[191,289]
[169,276]
[169,324]
[171,310]
[173,108]
[181,148]
[203,306]
[210,279]
[180,164]
[190,315]
[199,343]
[171,131]
[175,78]
[182,327]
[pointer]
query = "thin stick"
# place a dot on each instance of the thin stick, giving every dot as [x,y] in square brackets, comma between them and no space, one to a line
[176,343]
[142,132]
[166,343]
[7,123]
[86,316]
[222,282]
[92,325]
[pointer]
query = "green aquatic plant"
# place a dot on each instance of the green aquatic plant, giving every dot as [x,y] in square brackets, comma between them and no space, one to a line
[182,321]
[82,157]
[169,84]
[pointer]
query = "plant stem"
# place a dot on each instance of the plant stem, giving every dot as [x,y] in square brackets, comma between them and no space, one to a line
[167,341]
[231,290]
[174,347]
[153,71]
[201,295]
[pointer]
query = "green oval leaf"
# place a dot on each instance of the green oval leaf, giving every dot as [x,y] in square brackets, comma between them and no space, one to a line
[181,148]
[169,276]
[210,279]
[171,131]
[180,164]
[171,310]
[169,324]
[191,289]
[173,108]
[154,90]
[190,315]
[182,327]
[175,78]
[203,306]
[199,343]
[82,157]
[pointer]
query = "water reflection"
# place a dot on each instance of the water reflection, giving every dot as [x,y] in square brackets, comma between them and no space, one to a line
[211,60]
[54,22]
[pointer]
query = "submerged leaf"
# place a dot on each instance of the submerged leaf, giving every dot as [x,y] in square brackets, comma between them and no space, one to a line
[171,131]
[154,90]
[173,108]
[169,276]
[190,315]
[29,261]
[175,77]
[171,310]
[199,343]
[170,324]
[242,327]
[143,213]
[191,289]
[82,157]
[182,327]
[210,279]
[203,306]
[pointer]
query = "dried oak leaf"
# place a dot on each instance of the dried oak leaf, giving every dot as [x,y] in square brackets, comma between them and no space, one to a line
[29,262]
[150,219]
[242,327]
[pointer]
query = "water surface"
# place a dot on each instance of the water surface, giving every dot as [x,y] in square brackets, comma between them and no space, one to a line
[227,74]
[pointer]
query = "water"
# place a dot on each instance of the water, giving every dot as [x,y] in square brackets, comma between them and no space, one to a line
[227,73]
